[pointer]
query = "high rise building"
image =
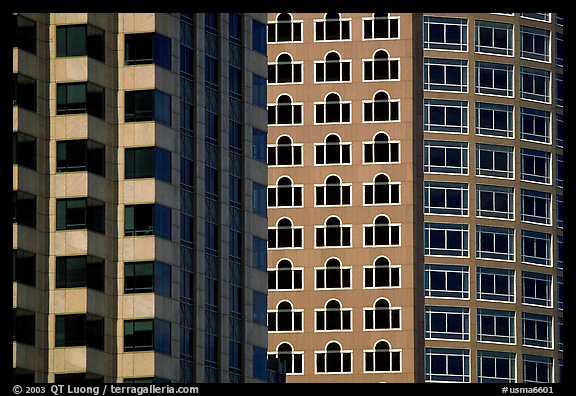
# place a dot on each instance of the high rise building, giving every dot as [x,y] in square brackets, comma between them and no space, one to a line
[138,242]
[416,196]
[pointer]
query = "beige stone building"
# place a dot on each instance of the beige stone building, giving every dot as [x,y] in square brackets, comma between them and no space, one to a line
[138,254]
[415,196]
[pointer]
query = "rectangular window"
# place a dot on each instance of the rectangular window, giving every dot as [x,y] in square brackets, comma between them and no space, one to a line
[80,40]
[495,284]
[539,16]
[148,105]
[259,198]
[259,148]
[448,323]
[80,155]
[494,161]
[445,75]
[80,213]
[148,219]
[496,367]
[494,38]
[449,34]
[447,365]
[535,125]
[495,243]
[535,207]
[24,326]
[80,98]
[495,201]
[446,198]
[449,116]
[536,330]
[559,49]
[534,44]
[259,259]
[441,239]
[144,162]
[147,277]
[445,157]
[259,37]
[24,208]
[79,330]
[147,335]
[560,287]
[535,84]
[23,150]
[536,248]
[446,281]
[24,92]
[494,79]
[259,365]
[537,289]
[494,120]
[537,368]
[560,90]
[535,166]
[259,304]
[496,326]
[560,252]
[24,33]
[259,91]
[23,267]
[559,211]
[80,271]
[559,130]
[147,48]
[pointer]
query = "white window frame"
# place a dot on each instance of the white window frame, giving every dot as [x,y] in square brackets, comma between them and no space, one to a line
[293,187]
[534,114]
[493,273]
[545,17]
[389,227]
[372,61]
[274,107]
[292,312]
[292,146]
[464,231]
[446,353]
[324,229]
[341,63]
[531,237]
[494,255]
[294,65]
[293,271]
[342,268]
[462,270]
[507,92]
[373,149]
[546,97]
[531,217]
[389,103]
[373,185]
[293,229]
[372,312]
[536,154]
[492,50]
[390,269]
[531,342]
[294,24]
[538,277]
[534,32]
[462,64]
[496,355]
[341,146]
[508,174]
[341,104]
[373,353]
[446,145]
[325,353]
[495,190]
[446,105]
[372,19]
[276,354]
[463,188]
[482,337]
[324,311]
[340,20]
[342,187]
[493,108]
[462,23]
[463,312]
[538,359]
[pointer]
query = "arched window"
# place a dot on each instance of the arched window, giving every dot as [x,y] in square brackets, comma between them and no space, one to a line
[333,275]
[284,70]
[381,274]
[381,191]
[333,110]
[284,112]
[285,318]
[381,316]
[333,233]
[332,68]
[381,67]
[332,28]
[333,317]
[285,277]
[382,359]
[293,360]
[284,29]
[333,192]
[333,359]
[381,233]
[332,151]
[285,194]
[381,26]
[381,108]
[284,235]
[284,152]
[381,150]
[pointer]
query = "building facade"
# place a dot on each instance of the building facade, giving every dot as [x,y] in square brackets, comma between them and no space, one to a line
[493,201]
[345,252]
[136,235]
[415,197]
